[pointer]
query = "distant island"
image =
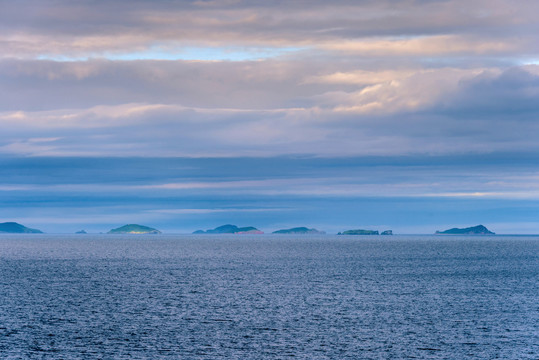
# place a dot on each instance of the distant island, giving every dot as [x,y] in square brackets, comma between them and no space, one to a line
[15,228]
[474,230]
[134,229]
[299,230]
[359,232]
[365,232]
[230,229]
[81,232]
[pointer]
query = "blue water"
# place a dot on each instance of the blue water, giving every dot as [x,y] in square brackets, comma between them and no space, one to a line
[268,297]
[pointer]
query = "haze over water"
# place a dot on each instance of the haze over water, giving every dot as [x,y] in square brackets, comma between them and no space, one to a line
[268,297]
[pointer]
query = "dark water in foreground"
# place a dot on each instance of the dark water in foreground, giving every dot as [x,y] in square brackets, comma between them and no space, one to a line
[268,297]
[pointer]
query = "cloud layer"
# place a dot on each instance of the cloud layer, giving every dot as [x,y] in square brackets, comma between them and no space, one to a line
[267,109]
[379,28]
[346,78]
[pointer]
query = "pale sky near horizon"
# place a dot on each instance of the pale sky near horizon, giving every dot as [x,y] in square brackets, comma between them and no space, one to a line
[408,115]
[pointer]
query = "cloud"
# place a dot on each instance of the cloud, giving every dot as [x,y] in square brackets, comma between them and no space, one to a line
[309,178]
[248,85]
[404,91]
[435,28]
[513,92]
[273,109]
[438,45]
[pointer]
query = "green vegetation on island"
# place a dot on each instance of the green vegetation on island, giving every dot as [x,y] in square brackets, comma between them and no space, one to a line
[81,232]
[359,232]
[230,229]
[15,228]
[299,230]
[134,229]
[474,230]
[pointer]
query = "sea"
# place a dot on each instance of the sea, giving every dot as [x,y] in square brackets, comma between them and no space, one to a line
[268,297]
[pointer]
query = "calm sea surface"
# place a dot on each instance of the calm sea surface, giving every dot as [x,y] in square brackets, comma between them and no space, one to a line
[268,297]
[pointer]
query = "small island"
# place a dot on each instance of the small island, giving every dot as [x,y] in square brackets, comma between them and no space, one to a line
[16,228]
[134,229]
[299,230]
[474,230]
[230,229]
[359,232]
[387,232]
[81,232]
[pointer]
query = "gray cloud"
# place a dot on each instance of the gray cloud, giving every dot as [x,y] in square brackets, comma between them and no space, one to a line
[250,85]
[270,108]
[62,28]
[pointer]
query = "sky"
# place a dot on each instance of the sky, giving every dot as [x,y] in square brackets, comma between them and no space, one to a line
[410,115]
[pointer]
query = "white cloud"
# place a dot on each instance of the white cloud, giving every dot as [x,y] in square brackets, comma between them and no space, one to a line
[437,45]
[395,91]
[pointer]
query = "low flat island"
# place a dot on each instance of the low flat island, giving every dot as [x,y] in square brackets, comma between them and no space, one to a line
[134,229]
[299,230]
